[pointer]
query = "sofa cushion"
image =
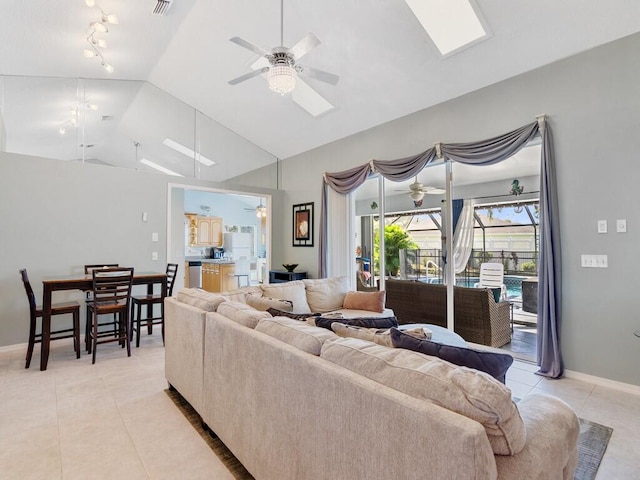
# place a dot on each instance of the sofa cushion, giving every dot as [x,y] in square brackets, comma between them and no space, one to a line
[468,392]
[371,301]
[366,322]
[201,299]
[326,294]
[242,313]
[495,364]
[239,294]
[293,291]
[296,333]
[265,303]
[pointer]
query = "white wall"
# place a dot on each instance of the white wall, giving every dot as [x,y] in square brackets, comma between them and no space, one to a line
[56,216]
[592,104]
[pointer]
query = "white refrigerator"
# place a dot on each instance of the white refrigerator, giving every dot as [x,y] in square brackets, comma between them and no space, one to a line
[237,245]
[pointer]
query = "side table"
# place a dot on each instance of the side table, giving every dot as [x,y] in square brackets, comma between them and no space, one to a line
[281,276]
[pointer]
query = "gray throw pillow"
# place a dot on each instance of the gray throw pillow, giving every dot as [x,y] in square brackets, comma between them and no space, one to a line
[495,364]
[296,316]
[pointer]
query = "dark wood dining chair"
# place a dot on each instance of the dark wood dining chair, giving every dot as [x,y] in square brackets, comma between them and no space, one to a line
[35,312]
[111,296]
[149,300]
[112,325]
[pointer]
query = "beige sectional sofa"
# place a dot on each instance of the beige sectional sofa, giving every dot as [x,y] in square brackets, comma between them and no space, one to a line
[294,401]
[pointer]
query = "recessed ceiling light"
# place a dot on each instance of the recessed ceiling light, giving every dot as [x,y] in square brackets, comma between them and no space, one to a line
[160,168]
[451,24]
[178,147]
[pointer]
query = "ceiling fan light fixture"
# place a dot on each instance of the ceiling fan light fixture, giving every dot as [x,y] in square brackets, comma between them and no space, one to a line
[282,78]
[416,196]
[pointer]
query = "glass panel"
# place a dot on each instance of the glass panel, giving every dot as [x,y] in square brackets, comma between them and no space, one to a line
[127,124]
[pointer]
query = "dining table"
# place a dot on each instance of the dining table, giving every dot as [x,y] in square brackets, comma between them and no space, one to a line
[84,282]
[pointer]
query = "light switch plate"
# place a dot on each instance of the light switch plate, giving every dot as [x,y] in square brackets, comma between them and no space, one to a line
[602,226]
[154,255]
[154,237]
[621,225]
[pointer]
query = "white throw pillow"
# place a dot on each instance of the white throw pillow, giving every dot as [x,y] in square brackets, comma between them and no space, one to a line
[326,294]
[293,291]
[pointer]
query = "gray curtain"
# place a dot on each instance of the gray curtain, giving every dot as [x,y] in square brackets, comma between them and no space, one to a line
[487,152]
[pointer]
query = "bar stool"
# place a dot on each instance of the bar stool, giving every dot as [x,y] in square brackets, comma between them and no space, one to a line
[137,302]
[35,312]
[111,295]
[88,269]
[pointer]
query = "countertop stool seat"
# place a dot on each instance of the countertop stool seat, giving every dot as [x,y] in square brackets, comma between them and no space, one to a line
[149,300]
[35,312]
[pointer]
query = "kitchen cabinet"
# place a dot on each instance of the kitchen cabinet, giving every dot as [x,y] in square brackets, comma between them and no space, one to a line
[211,277]
[205,231]
[218,277]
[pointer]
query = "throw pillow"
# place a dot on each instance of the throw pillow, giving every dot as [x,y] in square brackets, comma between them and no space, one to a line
[265,303]
[326,294]
[293,291]
[296,316]
[495,364]
[497,293]
[371,301]
[367,322]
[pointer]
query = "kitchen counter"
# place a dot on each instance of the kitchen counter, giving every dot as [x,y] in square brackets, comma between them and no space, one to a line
[209,260]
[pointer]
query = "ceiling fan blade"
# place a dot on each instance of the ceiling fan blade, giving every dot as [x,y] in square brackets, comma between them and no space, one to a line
[247,76]
[318,74]
[310,100]
[249,46]
[304,46]
[433,191]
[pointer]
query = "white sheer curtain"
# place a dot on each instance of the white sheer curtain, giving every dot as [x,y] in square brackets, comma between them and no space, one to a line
[341,244]
[463,236]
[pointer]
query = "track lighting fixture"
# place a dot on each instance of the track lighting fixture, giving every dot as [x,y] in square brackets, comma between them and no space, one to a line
[96,28]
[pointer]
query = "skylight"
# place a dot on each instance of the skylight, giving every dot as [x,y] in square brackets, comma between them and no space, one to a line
[178,147]
[451,24]
[160,168]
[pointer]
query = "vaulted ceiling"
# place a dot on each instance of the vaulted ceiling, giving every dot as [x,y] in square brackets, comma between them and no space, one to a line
[387,63]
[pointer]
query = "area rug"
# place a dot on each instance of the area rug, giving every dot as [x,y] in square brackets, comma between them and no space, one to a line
[592,443]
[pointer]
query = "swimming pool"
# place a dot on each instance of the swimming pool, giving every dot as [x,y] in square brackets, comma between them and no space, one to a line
[512,282]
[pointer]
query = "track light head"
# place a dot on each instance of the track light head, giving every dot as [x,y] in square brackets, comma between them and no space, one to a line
[99,27]
[107,67]
[110,18]
[89,53]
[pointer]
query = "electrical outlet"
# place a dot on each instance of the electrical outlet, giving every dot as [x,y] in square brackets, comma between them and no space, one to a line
[154,237]
[154,255]
[621,225]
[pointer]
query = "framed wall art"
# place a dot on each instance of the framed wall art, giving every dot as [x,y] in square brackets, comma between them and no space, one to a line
[303,225]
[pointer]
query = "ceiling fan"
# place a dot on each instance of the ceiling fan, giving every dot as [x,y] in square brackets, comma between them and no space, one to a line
[417,190]
[261,210]
[283,72]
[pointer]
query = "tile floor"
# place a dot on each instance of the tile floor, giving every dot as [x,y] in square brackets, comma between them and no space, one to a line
[113,419]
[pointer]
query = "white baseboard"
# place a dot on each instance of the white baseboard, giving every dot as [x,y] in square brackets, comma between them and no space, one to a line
[603,382]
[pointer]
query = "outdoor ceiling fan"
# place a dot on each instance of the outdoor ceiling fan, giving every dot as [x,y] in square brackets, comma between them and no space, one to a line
[417,190]
[283,72]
